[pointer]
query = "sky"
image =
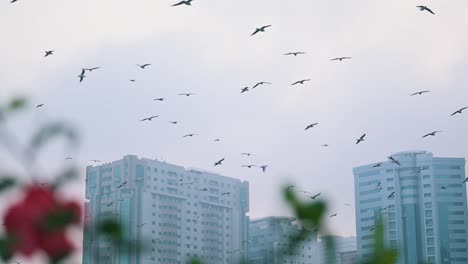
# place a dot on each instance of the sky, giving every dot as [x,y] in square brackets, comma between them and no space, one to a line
[207,49]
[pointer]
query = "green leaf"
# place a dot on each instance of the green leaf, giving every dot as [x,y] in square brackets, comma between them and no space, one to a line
[50,131]
[7,183]
[17,104]
[59,220]
[194,261]
[111,228]
[6,251]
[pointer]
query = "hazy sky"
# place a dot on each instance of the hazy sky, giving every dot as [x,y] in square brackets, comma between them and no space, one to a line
[207,49]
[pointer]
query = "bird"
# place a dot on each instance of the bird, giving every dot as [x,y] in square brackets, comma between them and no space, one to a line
[246,154]
[431,134]
[372,229]
[91,69]
[159,99]
[425,8]
[260,83]
[245,89]
[121,185]
[185,2]
[260,29]
[393,160]
[95,160]
[173,122]
[39,105]
[311,126]
[300,82]
[12,1]
[443,188]
[48,53]
[315,196]
[420,93]
[459,111]
[187,94]
[466,180]
[359,140]
[82,76]
[189,135]
[333,215]
[149,118]
[132,80]
[347,204]
[68,158]
[226,193]
[143,66]
[109,204]
[391,195]
[340,58]
[217,140]
[377,165]
[263,167]
[324,145]
[248,166]
[204,189]
[295,53]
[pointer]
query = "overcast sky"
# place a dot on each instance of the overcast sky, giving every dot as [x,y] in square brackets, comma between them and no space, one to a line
[207,49]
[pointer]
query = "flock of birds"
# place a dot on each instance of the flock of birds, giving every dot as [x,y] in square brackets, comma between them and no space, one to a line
[262,29]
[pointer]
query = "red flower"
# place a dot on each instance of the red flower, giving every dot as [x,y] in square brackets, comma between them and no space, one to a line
[39,222]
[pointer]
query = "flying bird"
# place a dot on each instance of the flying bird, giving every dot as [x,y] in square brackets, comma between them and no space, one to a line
[263,167]
[12,1]
[219,162]
[248,166]
[260,83]
[189,135]
[391,195]
[91,69]
[466,180]
[347,204]
[109,204]
[443,188]
[311,126]
[121,185]
[431,134]
[393,160]
[300,82]
[341,58]
[217,140]
[333,215]
[295,53]
[459,111]
[261,29]
[420,93]
[226,193]
[159,99]
[48,53]
[245,89]
[82,76]
[149,118]
[246,154]
[359,140]
[173,122]
[68,158]
[377,165]
[132,80]
[425,8]
[185,2]
[315,196]
[187,94]
[144,65]
[39,105]
[94,160]
[325,145]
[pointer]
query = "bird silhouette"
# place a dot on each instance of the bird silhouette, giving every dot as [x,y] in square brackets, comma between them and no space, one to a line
[377,165]
[226,193]
[149,118]
[245,89]
[391,195]
[189,135]
[159,99]
[246,154]
[420,93]
[263,167]
[300,82]
[132,80]
[217,140]
[310,126]
[425,8]
[324,145]
[39,105]
[248,166]
[173,122]
[185,2]
[359,140]
[260,29]
[68,158]
[315,196]
[333,215]
[393,160]
[459,111]
[187,94]
[143,66]
[466,180]
[431,134]
[260,83]
[295,53]
[341,58]
[49,53]
[82,75]
[443,188]
[121,185]
[91,69]
[95,160]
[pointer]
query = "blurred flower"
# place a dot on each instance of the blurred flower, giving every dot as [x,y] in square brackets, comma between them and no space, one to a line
[39,223]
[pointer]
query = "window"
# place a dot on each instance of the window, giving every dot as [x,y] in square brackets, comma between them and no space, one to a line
[427,195]
[427,186]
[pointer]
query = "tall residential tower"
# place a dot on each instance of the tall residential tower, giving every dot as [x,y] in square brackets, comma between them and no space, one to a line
[176,213]
[422,201]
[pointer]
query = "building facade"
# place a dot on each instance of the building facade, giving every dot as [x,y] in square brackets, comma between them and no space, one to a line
[422,202]
[345,250]
[176,213]
[269,238]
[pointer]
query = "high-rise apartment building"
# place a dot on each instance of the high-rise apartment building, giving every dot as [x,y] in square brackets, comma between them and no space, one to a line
[269,241]
[176,213]
[422,201]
